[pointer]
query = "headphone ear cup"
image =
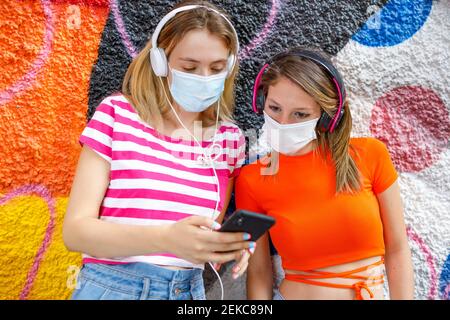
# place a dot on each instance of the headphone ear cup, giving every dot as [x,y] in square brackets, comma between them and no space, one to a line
[338,120]
[230,64]
[260,101]
[159,62]
[324,122]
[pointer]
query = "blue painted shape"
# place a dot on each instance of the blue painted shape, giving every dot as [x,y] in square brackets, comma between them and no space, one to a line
[396,22]
[444,280]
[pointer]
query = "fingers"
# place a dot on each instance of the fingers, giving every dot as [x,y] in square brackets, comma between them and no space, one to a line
[217,266]
[225,256]
[225,237]
[241,265]
[203,222]
[227,247]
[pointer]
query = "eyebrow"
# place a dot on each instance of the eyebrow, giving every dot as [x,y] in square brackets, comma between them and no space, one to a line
[196,61]
[279,105]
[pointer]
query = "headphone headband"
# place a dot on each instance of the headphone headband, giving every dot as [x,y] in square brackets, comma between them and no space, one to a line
[174,12]
[157,55]
[326,123]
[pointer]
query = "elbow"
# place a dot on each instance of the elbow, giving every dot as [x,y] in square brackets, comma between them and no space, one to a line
[398,247]
[260,270]
[69,236]
[67,239]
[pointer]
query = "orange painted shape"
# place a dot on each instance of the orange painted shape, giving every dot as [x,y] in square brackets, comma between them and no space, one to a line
[41,125]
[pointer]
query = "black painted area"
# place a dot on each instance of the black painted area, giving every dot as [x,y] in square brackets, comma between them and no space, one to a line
[324,24]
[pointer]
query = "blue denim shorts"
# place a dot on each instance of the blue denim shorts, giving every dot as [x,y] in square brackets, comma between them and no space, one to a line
[138,281]
[277,295]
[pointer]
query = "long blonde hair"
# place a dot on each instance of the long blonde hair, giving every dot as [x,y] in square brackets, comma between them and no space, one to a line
[144,90]
[316,82]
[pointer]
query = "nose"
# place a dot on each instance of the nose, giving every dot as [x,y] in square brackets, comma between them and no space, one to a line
[283,119]
[205,71]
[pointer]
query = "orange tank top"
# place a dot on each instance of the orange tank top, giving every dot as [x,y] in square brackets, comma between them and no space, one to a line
[315,227]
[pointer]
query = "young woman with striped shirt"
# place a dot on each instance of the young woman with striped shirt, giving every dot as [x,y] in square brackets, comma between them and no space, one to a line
[150,190]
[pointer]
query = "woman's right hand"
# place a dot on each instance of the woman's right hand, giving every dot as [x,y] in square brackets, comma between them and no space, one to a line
[197,240]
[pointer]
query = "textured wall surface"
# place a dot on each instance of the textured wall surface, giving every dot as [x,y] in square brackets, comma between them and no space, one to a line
[60,58]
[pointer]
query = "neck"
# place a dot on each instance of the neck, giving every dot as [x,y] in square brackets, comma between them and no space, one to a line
[188,118]
[172,126]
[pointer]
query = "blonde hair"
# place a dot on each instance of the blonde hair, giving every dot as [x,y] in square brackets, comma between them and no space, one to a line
[316,82]
[143,88]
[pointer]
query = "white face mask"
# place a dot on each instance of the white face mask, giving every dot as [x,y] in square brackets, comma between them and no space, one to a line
[288,138]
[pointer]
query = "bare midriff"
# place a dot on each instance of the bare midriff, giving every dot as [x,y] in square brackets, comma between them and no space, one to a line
[359,280]
[174,267]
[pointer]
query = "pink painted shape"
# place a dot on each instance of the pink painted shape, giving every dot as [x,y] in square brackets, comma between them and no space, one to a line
[28,79]
[268,26]
[91,3]
[122,30]
[430,261]
[45,194]
[414,124]
[243,54]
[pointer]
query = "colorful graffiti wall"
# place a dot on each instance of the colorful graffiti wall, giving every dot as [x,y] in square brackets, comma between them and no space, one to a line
[60,58]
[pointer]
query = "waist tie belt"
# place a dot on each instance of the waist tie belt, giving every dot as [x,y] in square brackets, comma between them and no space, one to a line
[358,286]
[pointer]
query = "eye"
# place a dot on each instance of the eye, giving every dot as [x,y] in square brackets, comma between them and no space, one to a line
[275,108]
[188,69]
[217,70]
[217,67]
[301,115]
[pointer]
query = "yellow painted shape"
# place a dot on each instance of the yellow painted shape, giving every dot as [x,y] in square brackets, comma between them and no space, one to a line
[23,222]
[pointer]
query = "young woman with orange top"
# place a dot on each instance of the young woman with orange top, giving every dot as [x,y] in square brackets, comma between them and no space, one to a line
[336,199]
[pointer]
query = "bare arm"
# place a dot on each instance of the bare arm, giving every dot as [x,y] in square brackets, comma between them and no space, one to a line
[227,200]
[259,272]
[398,255]
[83,231]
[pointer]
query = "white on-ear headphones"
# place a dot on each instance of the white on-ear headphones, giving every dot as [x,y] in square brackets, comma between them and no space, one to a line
[158,57]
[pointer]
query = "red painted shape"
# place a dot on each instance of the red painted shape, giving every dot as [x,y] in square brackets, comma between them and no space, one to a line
[414,123]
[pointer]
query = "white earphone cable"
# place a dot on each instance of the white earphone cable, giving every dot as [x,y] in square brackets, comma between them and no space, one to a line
[207,157]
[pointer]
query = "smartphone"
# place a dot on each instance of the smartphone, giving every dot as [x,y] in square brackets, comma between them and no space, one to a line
[255,224]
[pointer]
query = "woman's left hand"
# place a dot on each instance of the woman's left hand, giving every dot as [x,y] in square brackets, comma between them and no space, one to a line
[242,264]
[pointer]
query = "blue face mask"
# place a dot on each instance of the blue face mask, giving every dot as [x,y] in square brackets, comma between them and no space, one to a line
[196,93]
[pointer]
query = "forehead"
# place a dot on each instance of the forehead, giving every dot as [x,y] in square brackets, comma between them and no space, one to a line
[290,95]
[200,44]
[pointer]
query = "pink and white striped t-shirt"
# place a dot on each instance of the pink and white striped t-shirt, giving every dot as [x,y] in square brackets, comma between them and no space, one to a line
[156,179]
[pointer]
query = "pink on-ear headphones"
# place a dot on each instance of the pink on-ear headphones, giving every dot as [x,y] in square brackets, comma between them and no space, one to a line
[325,123]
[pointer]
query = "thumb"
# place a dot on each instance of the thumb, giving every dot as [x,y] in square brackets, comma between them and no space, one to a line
[204,222]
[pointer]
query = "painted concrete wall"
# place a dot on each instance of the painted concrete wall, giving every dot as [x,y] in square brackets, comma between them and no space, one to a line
[59,58]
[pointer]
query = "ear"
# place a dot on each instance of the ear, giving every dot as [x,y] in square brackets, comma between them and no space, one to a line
[158,61]
[260,101]
[230,64]
[324,122]
[339,117]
